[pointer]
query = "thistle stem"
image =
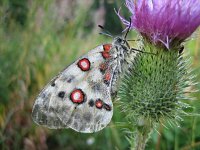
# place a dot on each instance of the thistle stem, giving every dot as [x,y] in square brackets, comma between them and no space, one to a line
[142,133]
[140,140]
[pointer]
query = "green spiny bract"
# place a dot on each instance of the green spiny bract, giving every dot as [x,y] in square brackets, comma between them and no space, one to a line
[154,85]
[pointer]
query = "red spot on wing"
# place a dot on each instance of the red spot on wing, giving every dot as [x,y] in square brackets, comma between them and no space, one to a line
[77,96]
[107,47]
[107,76]
[103,67]
[99,104]
[106,50]
[84,64]
[105,54]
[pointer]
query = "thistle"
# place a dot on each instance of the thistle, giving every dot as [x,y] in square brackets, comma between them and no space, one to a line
[152,90]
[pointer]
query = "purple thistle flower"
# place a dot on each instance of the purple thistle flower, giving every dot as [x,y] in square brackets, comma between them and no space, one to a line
[165,21]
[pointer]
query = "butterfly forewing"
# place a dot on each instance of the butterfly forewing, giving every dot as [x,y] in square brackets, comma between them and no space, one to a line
[77,98]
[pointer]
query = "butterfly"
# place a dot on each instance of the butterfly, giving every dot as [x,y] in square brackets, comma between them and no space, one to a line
[80,96]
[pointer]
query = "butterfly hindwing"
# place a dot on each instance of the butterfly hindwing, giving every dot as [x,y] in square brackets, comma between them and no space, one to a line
[77,98]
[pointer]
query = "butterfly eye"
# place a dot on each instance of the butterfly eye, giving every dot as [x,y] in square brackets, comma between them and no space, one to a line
[119,40]
[123,41]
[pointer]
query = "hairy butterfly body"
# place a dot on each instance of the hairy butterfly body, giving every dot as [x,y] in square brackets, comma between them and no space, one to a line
[80,96]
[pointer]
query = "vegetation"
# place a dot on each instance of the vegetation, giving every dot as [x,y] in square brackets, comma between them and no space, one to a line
[37,40]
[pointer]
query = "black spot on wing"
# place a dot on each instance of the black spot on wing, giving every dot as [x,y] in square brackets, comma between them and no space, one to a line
[67,78]
[70,78]
[61,94]
[53,84]
[91,103]
[102,71]
[107,83]
[107,107]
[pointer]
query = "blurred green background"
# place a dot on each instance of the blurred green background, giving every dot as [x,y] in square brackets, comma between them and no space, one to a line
[37,40]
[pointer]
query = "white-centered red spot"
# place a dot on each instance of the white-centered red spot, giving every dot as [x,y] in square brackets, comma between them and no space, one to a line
[99,104]
[107,47]
[77,96]
[84,64]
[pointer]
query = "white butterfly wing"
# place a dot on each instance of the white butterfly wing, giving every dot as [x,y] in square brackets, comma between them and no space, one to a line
[77,98]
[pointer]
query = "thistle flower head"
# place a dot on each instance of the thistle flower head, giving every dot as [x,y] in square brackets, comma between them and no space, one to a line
[165,21]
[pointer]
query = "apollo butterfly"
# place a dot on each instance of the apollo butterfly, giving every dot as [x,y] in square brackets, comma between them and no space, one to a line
[80,96]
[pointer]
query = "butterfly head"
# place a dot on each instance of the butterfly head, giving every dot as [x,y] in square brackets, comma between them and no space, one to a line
[121,41]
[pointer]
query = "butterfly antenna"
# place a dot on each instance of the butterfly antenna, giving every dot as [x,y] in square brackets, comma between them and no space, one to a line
[128,29]
[105,32]
[134,40]
[133,49]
